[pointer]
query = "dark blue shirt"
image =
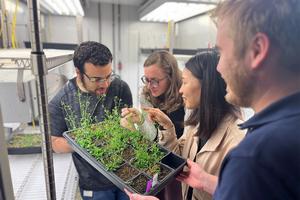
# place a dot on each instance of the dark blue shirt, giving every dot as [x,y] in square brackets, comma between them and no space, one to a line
[266,164]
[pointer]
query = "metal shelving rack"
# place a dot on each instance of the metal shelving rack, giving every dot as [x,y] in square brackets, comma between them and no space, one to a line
[19,59]
[5,181]
[39,62]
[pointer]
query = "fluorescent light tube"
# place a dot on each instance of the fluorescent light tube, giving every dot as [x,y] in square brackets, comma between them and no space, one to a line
[78,7]
[176,11]
[62,6]
[71,7]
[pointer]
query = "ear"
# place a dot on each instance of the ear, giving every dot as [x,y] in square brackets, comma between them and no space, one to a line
[78,72]
[260,47]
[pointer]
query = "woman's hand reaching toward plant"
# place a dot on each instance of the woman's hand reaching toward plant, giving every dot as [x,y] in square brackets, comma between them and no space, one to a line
[158,116]
[130,116]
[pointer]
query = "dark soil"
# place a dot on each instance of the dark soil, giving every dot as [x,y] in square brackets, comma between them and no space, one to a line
[126,172]
[160,169]
[164,171]
[139,183]
[128,153]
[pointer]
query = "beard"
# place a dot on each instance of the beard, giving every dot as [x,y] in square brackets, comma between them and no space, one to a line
[84,87]
[240,86]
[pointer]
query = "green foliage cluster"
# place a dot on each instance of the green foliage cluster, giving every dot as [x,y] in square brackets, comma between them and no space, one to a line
[107,140]
[147,155]
[25,140]
[86,118]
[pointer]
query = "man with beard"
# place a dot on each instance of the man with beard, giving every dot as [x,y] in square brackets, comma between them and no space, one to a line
[96,86]
[259,46]
[259,60]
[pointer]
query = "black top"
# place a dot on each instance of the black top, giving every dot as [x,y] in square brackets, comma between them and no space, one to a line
[266,164]
[177,117]
[89,178]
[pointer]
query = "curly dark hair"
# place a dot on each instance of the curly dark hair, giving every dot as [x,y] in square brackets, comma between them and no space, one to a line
[213,106]
[91,52]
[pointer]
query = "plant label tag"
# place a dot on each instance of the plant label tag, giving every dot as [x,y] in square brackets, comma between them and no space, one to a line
[87,193]
[149,186]
[155,179]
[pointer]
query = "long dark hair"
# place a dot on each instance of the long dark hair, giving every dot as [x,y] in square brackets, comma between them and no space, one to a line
[213,107]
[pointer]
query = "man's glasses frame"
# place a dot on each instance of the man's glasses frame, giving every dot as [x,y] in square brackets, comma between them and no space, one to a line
[108,78]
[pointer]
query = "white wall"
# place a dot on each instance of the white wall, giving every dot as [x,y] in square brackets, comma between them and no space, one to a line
[136,35]
[191,34]
[60,29]
[91,24]
[195,33]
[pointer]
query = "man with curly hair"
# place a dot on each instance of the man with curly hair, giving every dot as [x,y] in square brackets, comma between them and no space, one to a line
[95,79]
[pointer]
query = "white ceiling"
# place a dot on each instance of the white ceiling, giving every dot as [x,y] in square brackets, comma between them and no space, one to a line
[123,2]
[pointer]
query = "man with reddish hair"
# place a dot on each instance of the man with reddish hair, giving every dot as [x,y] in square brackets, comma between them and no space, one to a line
[259,60]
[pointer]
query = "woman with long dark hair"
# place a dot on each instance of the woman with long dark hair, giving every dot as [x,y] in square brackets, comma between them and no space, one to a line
[211,129]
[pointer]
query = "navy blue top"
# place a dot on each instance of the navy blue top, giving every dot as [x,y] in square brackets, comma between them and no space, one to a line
[266,164]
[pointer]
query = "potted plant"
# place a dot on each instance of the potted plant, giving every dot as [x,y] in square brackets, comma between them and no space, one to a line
[125,157]
[25,144]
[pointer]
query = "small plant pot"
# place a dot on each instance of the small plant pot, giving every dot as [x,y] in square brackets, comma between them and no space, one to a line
[159,168]
[112,162]
[142,142]
[128,153]
[134,163]
[139,183]
[164,150]
[25,144]
[24,150]
[126,172]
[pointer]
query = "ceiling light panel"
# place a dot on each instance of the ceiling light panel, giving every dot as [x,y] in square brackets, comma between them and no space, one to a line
[63,7]
[176,11]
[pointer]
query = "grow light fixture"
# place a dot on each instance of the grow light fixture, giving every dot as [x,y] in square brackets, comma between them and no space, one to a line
[63,7]
[11,6]
[164,11]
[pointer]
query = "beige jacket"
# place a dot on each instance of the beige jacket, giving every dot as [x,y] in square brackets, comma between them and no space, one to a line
[210,157]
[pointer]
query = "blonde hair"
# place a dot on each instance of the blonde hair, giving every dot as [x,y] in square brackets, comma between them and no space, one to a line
[171,100]
[278,19]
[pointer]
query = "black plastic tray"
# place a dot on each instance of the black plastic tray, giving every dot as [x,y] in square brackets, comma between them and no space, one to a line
[172,161]
[23,150]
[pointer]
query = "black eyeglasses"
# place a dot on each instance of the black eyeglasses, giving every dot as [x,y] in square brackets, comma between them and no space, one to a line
[109,78]
[153,82]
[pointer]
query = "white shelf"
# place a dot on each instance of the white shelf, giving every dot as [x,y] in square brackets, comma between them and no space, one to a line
[29,181]
[20,58]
